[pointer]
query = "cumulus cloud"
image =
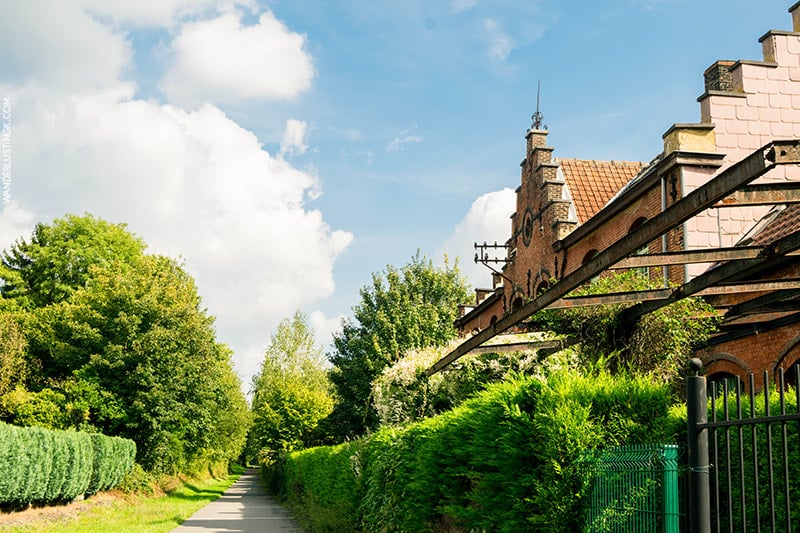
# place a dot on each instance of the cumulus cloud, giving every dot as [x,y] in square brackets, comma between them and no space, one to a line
[324,327]
[191,183]
[189,180]
[221,61]
[157,12]
[294,137]
[487,220]
[15,222]
[67,48]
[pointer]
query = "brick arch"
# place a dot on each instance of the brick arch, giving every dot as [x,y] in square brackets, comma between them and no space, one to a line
[789,356]
[724,366]
[542,281]
[517,298]
[726,362]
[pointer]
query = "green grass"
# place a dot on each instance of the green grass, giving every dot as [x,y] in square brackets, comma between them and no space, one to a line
[148,514]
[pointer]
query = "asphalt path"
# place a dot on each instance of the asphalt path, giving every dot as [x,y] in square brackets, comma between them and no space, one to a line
[244,507]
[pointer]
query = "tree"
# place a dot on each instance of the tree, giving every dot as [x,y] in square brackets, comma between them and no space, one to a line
[124,338]
[291,393]
[13,367]
[56,260]
[407,308]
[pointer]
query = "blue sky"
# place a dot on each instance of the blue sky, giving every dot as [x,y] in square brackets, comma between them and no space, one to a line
[286,150]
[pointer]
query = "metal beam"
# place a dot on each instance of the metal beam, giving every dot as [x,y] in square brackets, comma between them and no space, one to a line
[611,298]
[759,302]
[751,286]
[733,178]
[756,328]
[517,346]
[689,256]
[763,194]
[730,271]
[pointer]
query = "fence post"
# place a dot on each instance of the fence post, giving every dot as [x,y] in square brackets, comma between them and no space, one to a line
[699,489]
[672,512]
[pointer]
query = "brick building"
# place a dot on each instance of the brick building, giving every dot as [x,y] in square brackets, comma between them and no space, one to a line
[570,210]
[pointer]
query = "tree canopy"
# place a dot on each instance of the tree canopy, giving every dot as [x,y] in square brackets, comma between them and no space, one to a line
[404,308]
[121,344]
[291,393]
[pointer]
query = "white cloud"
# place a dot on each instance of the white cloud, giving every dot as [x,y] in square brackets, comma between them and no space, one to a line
[500,43]
[294,137]
[487,220]
[157,12]
[221,61]
[404,137]
[191,184]
[325,328]
[462,5]
[15,222]
[56,43]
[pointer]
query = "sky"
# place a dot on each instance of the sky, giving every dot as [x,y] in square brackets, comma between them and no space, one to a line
[286,150]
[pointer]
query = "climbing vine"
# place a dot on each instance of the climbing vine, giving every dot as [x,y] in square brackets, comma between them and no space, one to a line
[658,343]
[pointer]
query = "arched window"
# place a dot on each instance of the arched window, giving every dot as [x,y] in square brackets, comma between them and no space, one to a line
[542,287]
[790,375]
[719,380]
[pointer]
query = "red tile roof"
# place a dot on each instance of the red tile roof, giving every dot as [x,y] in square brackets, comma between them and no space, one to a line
[779,222]
[593,183]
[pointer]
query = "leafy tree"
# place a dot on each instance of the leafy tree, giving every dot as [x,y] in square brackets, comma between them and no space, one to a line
[13,366]
[403,309]
[123,337]
[56,260]
[292,392]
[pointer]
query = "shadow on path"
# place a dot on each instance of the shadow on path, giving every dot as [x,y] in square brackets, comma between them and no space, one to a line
[244,507]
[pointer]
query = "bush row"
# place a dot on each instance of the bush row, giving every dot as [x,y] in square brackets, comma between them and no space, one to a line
[46,466]
[507,460]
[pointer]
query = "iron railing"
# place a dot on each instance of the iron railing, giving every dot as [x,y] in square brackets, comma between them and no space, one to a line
[744,455]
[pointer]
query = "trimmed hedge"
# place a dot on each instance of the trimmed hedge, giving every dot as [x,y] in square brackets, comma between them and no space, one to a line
[48,466]
[507,460]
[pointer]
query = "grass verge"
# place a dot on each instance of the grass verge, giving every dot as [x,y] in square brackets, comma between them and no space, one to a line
[116,512]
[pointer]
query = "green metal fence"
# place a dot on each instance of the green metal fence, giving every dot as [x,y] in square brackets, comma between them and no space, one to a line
[631,489]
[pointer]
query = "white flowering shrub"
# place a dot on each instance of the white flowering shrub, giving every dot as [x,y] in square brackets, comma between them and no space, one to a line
[403,394]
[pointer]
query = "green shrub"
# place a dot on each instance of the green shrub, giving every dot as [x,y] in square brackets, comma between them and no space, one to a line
[321,485]
[506,460]
[137,481]
[113,458]
[45,466]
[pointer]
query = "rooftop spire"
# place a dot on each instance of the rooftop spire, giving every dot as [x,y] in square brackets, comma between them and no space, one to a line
[537,116]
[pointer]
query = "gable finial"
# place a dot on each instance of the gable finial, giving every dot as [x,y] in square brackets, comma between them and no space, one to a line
[537,116]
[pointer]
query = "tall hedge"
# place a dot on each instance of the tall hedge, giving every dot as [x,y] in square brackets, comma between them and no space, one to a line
[46,466]
[506,460]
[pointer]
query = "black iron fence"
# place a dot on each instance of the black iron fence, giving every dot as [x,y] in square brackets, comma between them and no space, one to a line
[744,454]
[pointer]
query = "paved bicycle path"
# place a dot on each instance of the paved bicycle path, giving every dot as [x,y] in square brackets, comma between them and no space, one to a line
[244,507]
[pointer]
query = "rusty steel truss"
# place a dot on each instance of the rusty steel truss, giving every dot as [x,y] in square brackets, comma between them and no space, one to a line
[733,273]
